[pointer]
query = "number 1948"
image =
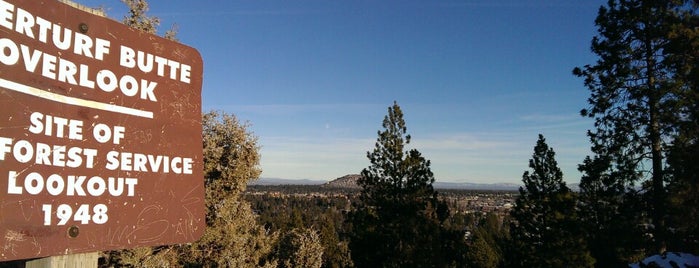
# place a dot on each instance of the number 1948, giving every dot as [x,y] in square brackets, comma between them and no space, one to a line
[83,215]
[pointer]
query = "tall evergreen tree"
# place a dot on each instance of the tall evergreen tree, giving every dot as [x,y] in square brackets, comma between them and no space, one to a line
[487,242]
[544,227]
[634,96]
[397,221]
[684,200]
[683,188]
[611,213]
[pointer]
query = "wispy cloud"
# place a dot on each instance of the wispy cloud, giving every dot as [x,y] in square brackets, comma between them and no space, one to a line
[244,12]
[517,4]
[304,158]
[459,141]
[472,157]
[568,123]
[548,118]
[287,109]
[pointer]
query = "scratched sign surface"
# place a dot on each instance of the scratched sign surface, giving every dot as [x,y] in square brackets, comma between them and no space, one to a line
[100,134]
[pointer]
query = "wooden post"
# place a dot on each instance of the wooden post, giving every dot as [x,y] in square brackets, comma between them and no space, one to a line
[67,261]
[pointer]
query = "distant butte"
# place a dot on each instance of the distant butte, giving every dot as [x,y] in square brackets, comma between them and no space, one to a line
[346,182]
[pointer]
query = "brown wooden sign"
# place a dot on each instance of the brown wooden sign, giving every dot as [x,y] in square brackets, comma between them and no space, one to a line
[100,134]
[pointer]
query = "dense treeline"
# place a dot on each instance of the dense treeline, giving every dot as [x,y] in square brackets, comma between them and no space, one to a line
[303,189]
[324,214]
[282,208]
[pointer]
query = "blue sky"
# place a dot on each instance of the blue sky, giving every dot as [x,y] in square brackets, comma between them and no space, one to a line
[477,80]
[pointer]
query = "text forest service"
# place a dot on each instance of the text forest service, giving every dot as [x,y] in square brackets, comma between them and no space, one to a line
[100,134]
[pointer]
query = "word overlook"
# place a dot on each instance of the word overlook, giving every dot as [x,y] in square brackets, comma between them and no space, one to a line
[57,68]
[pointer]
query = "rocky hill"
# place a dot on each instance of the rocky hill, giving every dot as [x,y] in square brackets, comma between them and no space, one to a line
[347,182]
[350,182]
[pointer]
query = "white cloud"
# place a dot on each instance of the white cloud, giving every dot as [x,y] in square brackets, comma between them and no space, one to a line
[549,118]
[464,157]
[460,141]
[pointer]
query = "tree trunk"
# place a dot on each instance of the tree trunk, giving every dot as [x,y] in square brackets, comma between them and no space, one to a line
[657,191]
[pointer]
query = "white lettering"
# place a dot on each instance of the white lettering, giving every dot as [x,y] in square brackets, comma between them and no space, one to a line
[30,60]
[43,154]
[44,27]
[6,14]
[5,143]
[127,161]
[72,185]
[48,65]
[84,80]
[82,45]
[61,44]
[147,88]
[185,73]
[25,22]
[127,57]
[101,48]
[128,85]
[96,186]
[55,184]
[63,125]
[112,160]
[59,153]
[75,185]
[6,45]
[106,80]
[67,71]
[12,187]
[34,183]
[145,62]
[23,151]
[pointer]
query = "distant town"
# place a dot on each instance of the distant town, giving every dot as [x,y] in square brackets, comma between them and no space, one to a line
[462,198]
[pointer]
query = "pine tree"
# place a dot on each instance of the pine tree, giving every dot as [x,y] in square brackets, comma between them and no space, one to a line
[481,254]
[634,96]
[683,189]
[300,247]
[544,223]
[397,221]
[487,242]
[335,250]
[684,200]
[611,213]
